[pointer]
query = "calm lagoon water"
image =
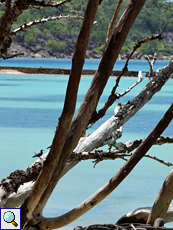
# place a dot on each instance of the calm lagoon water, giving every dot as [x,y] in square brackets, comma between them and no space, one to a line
[30,106]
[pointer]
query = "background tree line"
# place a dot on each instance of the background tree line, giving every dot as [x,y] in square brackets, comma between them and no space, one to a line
[152,19]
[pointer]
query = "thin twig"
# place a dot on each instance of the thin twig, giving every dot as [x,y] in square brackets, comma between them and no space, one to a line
[112,24]
[151,64]
[140,78]
[77,12]
[122,150]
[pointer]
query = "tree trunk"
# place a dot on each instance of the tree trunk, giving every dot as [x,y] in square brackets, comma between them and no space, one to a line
[64,122]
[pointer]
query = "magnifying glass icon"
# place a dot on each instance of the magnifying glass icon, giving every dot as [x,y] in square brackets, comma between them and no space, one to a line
[9,217]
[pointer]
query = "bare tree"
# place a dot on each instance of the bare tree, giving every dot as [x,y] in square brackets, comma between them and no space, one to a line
[68,141]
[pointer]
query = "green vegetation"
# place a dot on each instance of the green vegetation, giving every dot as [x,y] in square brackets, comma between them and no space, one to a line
[56,45]
[151,20]
[99,49]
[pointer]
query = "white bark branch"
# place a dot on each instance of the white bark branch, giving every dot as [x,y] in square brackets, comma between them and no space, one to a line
[12,199]
[43,20]
[128,110]
[50,223]
[140,78]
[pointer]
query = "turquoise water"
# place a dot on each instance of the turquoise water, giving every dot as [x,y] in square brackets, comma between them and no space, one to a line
[89,63]
[30,106]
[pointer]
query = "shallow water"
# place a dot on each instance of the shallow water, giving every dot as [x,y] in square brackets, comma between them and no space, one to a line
[30,106]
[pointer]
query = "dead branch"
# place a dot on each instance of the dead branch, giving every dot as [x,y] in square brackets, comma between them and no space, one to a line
[112,155]
[48,4]
[13,182]
[129,146]
[124,226]
[114,181]
[12,56]
[44,20]
[112,24]
[7,20]
[112,139]
[147,39]
[123,150]
[163,200]
[151,64]
[140,78]
[76,12]
[11,14]
[128,110]
[16,179]
[113,97]
[159,160]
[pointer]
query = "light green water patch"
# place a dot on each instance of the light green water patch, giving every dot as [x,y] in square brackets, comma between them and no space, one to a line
[18,146]
[31,105]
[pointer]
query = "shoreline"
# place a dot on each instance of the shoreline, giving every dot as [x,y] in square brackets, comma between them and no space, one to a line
[62,71]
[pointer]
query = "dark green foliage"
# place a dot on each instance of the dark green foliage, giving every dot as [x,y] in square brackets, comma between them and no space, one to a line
[151,20]
[55,45]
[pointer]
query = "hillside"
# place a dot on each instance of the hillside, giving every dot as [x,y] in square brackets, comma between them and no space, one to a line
[57,38]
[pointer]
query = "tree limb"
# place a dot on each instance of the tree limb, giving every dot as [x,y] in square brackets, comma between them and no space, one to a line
[113,97]
[166,71]
[112,24]
[12,56]
[128,110]
[16,179]
[52,4]
[42,184]
[97,197]
[7,199]
[151,64]
[163,200]
[96,88]
[44,20]
[11,14]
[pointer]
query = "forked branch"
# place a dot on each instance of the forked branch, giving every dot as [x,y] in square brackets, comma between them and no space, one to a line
[114,181]
[113,96]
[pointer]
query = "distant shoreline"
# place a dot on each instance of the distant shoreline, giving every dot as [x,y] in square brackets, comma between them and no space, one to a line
[62,71]
[34,70]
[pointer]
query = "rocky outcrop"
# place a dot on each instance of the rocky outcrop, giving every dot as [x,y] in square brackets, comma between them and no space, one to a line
[33,50]
[37,49]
